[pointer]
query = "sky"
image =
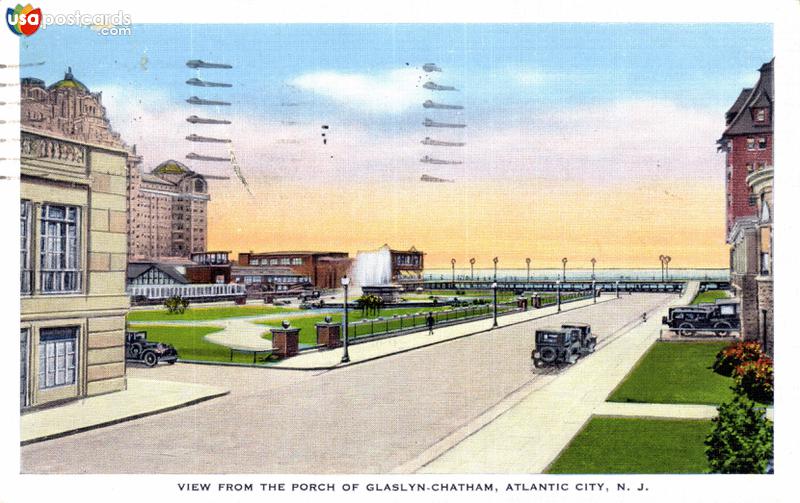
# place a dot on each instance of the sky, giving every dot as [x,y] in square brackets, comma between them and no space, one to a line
[581,140]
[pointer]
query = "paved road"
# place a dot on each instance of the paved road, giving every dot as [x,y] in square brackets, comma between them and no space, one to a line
[367,418]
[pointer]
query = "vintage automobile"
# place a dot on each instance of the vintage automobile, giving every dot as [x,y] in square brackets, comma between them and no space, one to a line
[138,348]
[722,318]
[562,345]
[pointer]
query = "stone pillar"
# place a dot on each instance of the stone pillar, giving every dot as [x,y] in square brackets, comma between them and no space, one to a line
[329,334]
[522,303]
[285,340]
[536,301]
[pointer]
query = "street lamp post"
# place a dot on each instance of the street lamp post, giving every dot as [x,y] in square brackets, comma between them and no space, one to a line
[472,268]
[617,289]
[667,259]
[453,264]
[661,259]
[564,269]
[558,296]
[495,260]
[345,284]
[528,263]
[494,304]
[594,261]
[594,292]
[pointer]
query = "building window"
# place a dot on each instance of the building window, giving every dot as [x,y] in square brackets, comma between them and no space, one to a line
[273,261]
[60,248]
[751,144]
[751,200]
[749,168]
[761,115]
[25,247]
[762,142]
[285,261]
[297,261]
[57,356]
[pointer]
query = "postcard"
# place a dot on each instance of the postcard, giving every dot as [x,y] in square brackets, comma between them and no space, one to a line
[431,251]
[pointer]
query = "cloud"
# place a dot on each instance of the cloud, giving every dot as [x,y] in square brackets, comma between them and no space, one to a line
[388,92]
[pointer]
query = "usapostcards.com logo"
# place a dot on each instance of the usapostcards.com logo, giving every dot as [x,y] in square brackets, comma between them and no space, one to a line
[27,20]
[23,20]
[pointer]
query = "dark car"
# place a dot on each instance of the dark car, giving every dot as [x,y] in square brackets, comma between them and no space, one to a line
[721,318]
[562,345]
[138,348]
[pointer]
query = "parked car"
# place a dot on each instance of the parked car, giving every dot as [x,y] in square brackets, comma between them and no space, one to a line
[562,345]
[138,348]
[722,318]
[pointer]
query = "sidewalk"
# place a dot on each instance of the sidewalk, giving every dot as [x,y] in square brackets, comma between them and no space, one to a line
[143,397]
[367,351]
[530,433]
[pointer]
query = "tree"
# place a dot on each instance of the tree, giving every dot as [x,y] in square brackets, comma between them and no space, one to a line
[742,438]
[176,304]
[370,304]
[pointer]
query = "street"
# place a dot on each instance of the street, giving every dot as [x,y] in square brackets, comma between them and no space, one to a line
[367,418]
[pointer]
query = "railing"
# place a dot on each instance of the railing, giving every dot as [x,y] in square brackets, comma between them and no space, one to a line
[194,291]
[408,322]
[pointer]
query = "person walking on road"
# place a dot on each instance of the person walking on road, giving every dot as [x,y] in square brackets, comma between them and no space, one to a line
[430,322]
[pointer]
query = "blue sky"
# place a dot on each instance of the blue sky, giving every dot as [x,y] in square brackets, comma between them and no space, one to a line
[558,64]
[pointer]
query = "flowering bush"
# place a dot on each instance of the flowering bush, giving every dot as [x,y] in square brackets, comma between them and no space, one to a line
[734,355]
[756,379]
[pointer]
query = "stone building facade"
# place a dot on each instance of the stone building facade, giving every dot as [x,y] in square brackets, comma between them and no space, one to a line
[168,216]
[748,143]
[73,245]
[761,184]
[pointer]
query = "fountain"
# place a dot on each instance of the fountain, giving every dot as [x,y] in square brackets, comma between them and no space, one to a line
[372,271]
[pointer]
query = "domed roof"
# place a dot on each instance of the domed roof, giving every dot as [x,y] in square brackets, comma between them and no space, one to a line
[171,167]
[69,82]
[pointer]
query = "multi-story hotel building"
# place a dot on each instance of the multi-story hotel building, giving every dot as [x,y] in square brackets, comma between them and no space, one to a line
[73,244]
[167,212]
[747,143]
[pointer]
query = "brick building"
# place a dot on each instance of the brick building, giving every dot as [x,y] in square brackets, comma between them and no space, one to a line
[407,264]
[324,269]
[748,144]
[167,212]
[73,244]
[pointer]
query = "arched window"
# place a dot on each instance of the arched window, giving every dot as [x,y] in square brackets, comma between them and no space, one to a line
[199,186]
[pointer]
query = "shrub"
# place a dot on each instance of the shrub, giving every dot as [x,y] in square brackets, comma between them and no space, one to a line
[756,379]
[176,304]
[734,355]
[742,438]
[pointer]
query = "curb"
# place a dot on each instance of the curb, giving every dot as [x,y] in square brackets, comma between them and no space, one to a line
[121,419]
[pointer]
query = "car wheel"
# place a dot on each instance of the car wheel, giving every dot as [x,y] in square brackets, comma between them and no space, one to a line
[590,346]
[548,354]
[723,325]
[135,351]
[686,329]
[150,359]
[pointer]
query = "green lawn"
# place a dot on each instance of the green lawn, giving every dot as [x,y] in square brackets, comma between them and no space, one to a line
[207,313]
[635,445]
[676,372]
[190,343]
[710,296]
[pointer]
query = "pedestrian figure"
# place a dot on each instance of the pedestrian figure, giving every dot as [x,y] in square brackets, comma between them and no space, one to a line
[430,322]
[644,317]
